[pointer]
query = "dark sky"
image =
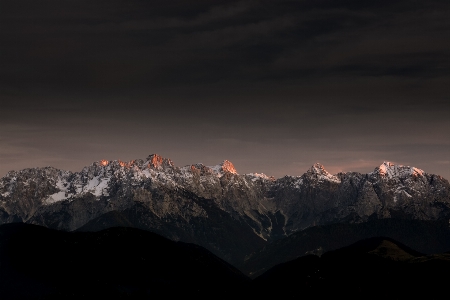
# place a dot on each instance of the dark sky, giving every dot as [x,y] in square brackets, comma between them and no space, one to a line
[273,86]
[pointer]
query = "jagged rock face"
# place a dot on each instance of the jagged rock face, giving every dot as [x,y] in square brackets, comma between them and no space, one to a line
[410,192]
[202,204]
[318,197]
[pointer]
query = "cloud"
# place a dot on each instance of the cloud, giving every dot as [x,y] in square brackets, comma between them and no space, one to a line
[112,45]
[215,14]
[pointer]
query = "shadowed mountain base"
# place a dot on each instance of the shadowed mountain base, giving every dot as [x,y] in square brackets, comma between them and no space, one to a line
[119,263]
[425,236]
[128,263]
[376,267]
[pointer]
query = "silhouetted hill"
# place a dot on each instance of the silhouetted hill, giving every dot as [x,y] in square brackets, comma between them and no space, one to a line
[232,244]
[128,263]
[378,246]
[376,267]
[110,219]
[424,236]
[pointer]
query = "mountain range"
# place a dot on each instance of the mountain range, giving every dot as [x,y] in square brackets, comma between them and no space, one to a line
[231,215]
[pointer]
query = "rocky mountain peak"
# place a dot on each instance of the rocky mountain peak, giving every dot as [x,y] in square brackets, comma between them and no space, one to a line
[319,169]
[156,161]
[112,163]
[391,170]
[227,166]
[385,167]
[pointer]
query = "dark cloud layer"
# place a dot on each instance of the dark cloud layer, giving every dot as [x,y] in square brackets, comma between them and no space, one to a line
[273,86]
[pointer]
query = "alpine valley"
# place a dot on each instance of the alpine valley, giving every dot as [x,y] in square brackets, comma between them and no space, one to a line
[231,215]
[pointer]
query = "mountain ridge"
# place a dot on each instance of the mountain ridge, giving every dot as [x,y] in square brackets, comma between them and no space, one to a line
[204,205]
[376,266]
[426,237]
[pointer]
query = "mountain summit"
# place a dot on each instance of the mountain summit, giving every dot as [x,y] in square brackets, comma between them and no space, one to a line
[318,171]
[391,170]
[318,168]
[223,168]
[156,161]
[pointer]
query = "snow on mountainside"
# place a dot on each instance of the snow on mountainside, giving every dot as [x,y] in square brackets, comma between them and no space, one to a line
[204,204]
[96,178]
[225,167]
[404,183]
[319,172]
[390,170]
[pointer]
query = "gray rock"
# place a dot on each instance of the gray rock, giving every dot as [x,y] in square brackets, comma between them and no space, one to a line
[228,213]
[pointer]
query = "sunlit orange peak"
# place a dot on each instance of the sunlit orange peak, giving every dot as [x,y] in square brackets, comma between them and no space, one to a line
[155,160]
[122,164]
[104,162]
[227,166]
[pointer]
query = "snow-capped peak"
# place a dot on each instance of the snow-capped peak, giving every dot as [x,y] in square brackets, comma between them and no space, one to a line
[317,170]
[258,175]
[392,170]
